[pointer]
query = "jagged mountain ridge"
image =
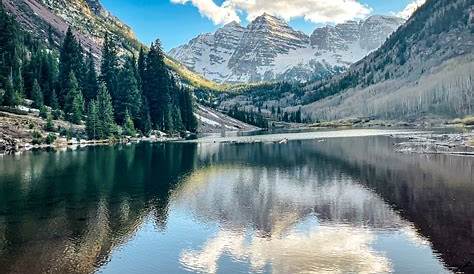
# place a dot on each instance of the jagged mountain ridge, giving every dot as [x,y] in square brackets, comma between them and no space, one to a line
[269,49]
[424,70]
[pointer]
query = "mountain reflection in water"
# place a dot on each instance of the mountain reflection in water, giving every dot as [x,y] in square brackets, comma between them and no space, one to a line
[343,205]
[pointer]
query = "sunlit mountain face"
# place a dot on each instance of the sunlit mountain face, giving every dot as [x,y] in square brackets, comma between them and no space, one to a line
[302,207]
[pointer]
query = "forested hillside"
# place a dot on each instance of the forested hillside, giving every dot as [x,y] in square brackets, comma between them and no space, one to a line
[48,20]
[425,68]
[126,95]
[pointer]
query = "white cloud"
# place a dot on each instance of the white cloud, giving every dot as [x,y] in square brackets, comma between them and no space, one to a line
[317,11]
[218,14]
[410,9]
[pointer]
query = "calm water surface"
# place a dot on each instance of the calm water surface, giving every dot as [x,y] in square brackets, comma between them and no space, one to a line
[339,205]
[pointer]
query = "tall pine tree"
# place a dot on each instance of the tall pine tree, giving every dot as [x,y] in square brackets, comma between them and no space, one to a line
[74,101]
[37,95]
[10,98]
[129,93]
[144,123]
[141,67]
[156,88]
[128,125]
[9,34]
[71,59]
[91,86]
[107,127]
[92,121]
[187,111]
[109,68]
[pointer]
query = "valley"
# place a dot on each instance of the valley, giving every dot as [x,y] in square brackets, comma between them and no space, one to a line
[209,136]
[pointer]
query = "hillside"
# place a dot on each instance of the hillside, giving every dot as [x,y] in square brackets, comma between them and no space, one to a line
[268,49]
[49,20]
[425,68]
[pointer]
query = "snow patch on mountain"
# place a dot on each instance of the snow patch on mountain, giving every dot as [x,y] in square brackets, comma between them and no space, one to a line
[269,49]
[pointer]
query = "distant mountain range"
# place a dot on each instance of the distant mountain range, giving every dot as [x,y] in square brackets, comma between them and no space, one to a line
[268,49]
[424,70]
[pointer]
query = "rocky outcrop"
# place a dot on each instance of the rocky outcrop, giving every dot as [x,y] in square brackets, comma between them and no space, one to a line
[90,21]
[269,49]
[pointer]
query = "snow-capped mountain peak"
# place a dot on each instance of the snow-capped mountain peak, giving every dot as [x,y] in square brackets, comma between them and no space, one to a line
[269,49]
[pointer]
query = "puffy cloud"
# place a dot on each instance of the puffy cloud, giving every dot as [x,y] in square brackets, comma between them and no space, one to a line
[317,11]
[218,14]
[410,9]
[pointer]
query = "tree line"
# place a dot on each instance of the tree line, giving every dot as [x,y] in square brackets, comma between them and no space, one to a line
[126,95]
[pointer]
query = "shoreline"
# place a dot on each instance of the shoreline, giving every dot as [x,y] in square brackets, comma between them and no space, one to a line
[406,140]
[62,144]
[457,137]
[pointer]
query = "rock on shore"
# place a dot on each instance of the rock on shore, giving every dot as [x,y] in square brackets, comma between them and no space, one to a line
[432,143]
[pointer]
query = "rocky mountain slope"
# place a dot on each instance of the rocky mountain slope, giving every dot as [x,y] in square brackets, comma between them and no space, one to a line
[49,20]
[269,49]
[425,68]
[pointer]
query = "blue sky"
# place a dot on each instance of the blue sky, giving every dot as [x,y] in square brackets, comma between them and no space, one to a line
[176,23]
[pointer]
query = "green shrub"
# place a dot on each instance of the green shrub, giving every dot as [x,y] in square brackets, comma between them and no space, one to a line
[50,139]
[49,123]
[37,138]
[43,112]
[69,134]
[62,131]
[57,114]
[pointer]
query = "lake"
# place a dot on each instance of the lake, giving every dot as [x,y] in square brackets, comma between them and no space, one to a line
[347,204]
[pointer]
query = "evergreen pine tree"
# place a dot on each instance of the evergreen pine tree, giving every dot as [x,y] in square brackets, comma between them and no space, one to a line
[43,112]
[156,88]
[91,86]
[19,84]
[109,68]
[10,97]
[144,123]
[141,67]
[77,108]
[9,35]
[37,95]
[187,111]
[128,126]
[70,60]
[129,94]
[177,122]
[74,101]
[48,77]
[92,121]
[49,122]
[107,127]
[54,104]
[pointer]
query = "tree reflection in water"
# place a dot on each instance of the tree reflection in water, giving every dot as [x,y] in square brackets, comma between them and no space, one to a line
[301,206]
